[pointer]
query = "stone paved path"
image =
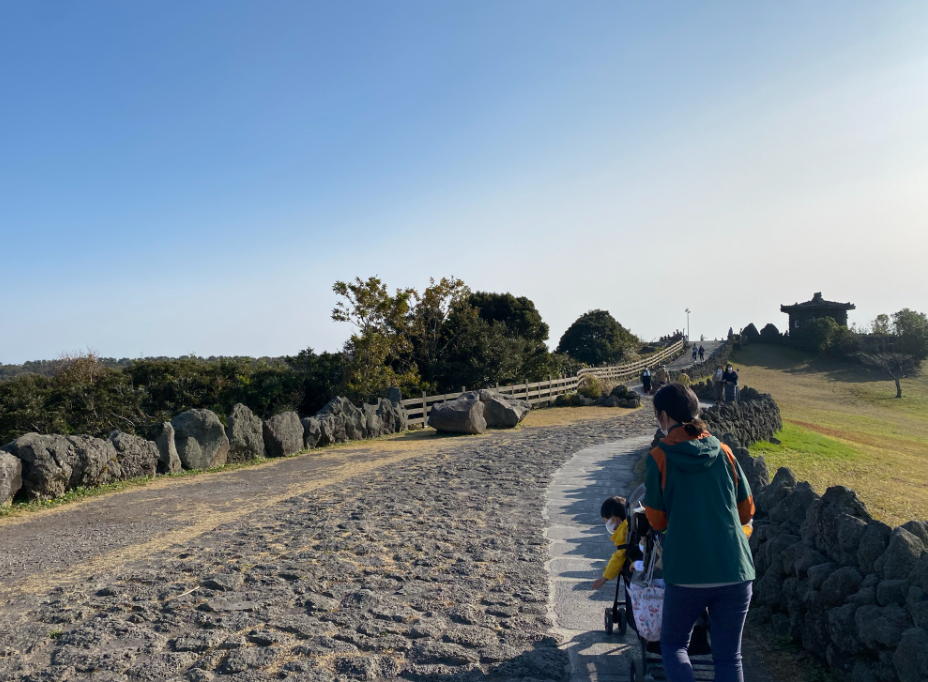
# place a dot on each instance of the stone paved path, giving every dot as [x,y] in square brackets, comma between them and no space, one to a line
[414,567]
[685,361]
[579,549]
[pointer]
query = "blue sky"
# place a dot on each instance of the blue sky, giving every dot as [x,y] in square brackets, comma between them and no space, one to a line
[193,177]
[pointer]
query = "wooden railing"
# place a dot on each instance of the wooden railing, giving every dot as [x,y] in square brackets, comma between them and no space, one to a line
[543,391]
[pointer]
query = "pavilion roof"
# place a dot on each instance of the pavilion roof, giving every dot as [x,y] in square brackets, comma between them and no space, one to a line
[818,303]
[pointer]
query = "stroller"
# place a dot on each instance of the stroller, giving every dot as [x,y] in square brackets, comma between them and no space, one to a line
[622,612]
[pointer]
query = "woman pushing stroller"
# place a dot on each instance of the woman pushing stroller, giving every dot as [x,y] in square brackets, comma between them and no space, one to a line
[696,492]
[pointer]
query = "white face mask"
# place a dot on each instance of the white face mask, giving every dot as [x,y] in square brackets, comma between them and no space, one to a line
[611,526]
[661,427]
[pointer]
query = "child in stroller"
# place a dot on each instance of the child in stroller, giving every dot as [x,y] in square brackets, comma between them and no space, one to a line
[642,562]
[615,516]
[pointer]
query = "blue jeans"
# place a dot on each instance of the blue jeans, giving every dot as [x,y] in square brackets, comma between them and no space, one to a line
[728,607]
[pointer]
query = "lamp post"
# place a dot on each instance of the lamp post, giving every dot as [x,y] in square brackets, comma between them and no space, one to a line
[687,324]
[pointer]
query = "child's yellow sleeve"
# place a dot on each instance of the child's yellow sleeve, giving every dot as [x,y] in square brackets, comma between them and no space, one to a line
[614,567]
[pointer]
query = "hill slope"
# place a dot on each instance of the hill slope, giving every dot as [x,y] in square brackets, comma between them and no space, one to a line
[843,426]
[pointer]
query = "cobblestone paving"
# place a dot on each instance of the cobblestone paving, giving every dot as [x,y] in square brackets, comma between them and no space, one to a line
[430,568]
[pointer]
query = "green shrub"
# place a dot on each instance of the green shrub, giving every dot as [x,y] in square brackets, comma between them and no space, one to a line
[591,387]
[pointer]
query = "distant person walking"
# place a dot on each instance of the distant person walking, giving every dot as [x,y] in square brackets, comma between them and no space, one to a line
[661,378]
[646,380]
[730,380]
[695,351]
[702,353]
[717,383]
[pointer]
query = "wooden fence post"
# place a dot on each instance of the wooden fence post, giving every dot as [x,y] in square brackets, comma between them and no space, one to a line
[425,410]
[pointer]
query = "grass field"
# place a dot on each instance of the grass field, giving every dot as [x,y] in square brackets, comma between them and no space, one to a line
[844,426]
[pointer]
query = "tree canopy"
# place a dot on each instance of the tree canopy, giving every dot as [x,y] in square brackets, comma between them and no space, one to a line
[596,338]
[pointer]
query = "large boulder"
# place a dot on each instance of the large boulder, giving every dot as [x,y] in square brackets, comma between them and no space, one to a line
[755,469]
[881,626]
[348,420]
[163,437]
[137,457]
[53,464]
[374,426]
[46,464]
[920,573]
[621,391]
[873,544]
[332,428]
[842,628]
[462,415]
[283,434]
[11,477]
[901,555]
[838,524]
[502,412]
[200,439]
[916,603]
[96,462]
[791,510]
[393,415]
[919,529]
[312,433]
[911,657]
[840,585]
[783,483]
[245,432]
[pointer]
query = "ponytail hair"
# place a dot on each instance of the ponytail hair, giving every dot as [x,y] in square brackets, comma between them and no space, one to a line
[681,405]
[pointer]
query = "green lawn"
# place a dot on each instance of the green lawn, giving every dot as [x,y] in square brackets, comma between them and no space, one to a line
[843,426]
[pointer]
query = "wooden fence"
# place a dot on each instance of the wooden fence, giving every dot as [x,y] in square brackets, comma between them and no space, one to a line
[548,390]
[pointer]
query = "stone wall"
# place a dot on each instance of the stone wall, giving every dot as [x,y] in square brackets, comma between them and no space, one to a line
[756,417]
[42,467]
[846,587]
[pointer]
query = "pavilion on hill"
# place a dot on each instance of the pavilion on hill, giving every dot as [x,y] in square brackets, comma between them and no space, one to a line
[817,308]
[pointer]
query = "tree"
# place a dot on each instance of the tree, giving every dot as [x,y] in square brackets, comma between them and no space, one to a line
[911,331]
[897,345]
[816,334]
[320,377]
[596,338]
[381,340]
[880,325]
[750,334]
[770,334]
[518,314]
[429,324]
[897,365]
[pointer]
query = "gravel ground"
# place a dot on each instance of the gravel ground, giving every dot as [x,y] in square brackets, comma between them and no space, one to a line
[428,568]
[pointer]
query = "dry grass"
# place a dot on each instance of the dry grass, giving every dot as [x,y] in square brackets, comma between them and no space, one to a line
[886,455]
[564,416]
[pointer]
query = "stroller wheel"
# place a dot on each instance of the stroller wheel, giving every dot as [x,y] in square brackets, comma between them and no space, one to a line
[608,621]
[632,672]
[623,620]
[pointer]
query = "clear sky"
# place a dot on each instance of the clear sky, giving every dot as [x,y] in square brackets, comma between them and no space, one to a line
[182,177]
